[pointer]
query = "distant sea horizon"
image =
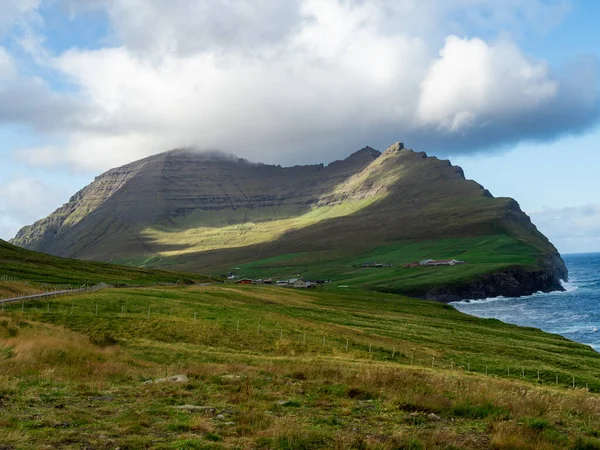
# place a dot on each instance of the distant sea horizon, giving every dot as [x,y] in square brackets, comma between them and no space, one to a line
[574,314]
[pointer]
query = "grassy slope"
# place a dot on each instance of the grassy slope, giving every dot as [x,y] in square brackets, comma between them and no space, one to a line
[39,268]
[73,379]
[484,255]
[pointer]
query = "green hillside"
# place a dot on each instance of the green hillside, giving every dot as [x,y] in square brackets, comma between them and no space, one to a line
[487,254]
[38,268]
[276,368]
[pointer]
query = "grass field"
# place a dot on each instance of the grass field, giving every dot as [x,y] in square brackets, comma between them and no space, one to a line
[270,367]
[486,254]
[42,271]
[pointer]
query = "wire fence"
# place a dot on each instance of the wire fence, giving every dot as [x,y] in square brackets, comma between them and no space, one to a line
[264,336]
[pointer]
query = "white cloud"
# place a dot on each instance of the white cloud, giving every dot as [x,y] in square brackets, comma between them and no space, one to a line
[304,80]
[473,84]
[573,229]
[7,66]
[24,200]
[15,12]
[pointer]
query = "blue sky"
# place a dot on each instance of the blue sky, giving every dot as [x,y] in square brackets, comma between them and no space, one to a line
[508,90]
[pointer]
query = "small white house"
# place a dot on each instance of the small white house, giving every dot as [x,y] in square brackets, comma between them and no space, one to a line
[300,284]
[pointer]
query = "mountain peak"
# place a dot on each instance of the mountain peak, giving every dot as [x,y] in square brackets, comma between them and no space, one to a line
[365,155]
[365,151]
[396,147]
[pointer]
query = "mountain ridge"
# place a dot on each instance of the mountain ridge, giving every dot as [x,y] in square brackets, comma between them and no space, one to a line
[211,212]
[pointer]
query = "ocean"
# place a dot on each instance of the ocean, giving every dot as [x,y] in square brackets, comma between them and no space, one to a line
[574,314]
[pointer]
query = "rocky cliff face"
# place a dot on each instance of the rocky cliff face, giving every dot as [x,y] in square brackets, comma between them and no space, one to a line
[206,212]
[511,282]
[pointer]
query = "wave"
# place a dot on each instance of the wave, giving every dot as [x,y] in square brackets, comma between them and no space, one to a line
[482,300]
[569,287]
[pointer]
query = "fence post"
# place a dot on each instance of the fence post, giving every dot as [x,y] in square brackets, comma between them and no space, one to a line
[237,328]
[96,309]
[393,351]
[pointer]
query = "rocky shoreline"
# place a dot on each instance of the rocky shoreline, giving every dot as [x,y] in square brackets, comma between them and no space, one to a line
[511,282]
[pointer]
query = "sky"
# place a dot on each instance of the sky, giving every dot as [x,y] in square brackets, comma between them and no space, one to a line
[507,90]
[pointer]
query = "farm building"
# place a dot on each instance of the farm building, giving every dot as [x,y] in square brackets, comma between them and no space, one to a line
[440,262]
[244,281]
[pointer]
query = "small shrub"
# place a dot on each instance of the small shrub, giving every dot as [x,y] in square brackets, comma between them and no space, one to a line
[411,443]
[415,420]
[179,427]
[13,331]
[103,339]
[360,394]
[586,444]
[479,411]
[191,444]
[291,404]
[299,376]
[338,390]
[214,437]
[555,437]
[303,441]
[538,424]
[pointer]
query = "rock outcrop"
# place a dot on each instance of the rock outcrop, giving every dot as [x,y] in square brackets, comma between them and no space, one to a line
[511,282]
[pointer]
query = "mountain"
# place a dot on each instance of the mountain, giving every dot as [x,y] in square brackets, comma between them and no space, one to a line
[29,266]
[214,213]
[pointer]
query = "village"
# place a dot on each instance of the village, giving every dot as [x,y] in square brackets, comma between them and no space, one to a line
[423,263]
[297,283]
[300,283]
[434,263]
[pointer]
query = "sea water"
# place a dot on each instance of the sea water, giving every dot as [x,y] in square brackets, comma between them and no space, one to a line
[574,314]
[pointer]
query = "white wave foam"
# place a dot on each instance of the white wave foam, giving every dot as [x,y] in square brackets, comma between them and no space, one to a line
[569,286]
[481,300]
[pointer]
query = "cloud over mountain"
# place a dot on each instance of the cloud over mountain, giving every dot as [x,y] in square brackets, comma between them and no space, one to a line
[299,81]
